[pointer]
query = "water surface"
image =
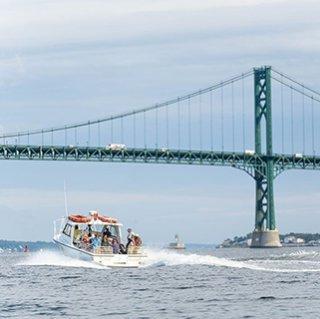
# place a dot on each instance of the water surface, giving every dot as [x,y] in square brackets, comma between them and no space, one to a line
[223,283]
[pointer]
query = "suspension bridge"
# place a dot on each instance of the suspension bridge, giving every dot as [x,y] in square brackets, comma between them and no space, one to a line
[262,122]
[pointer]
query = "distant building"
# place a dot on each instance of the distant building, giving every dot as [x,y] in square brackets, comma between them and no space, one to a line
[289,240]
[293,240]
[300,241]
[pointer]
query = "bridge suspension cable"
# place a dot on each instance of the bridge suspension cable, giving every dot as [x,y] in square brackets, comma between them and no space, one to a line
[218,117]
[282,119]
[130,113]
[298,90]
[222,118]
[312,125]
[285,76]
[292,129]
[243,115]
[302,113]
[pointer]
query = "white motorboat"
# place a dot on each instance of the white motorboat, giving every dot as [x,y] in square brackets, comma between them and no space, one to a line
[177,244]
[97,238]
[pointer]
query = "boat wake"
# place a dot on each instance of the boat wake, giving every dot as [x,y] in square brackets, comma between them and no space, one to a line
[163,258]
[168,258]
[300,254]
[55,258]
[158,258]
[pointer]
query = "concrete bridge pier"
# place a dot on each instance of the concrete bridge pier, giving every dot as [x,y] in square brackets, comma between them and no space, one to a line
[265,239]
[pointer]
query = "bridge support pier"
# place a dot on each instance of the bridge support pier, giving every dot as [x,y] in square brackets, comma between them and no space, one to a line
[265,234]
[265,239]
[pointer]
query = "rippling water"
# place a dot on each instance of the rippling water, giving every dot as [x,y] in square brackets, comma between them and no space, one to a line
[224,283]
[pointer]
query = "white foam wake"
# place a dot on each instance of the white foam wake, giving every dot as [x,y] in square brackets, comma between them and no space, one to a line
[154,258]
[300,254]
[171,258]
[158,258]
[55,258]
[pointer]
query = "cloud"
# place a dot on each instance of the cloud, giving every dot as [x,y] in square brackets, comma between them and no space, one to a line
[13,70]
[79,40]
[71,24]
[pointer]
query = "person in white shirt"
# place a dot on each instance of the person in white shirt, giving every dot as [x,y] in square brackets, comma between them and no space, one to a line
[129,237]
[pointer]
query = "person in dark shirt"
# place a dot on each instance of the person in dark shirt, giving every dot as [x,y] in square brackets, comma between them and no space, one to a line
[106,232]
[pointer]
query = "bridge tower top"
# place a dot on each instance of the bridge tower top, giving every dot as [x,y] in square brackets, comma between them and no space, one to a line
[263,112]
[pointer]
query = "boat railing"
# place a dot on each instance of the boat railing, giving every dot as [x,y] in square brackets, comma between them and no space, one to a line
[104,250]
[132,250]
[58,226]
[97,250]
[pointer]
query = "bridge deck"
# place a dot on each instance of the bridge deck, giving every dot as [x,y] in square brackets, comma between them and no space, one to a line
[246,162]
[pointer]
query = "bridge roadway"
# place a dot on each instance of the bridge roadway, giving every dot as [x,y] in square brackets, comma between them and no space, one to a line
[241,160]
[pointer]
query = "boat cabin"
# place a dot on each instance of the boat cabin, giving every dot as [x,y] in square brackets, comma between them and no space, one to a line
[95,233]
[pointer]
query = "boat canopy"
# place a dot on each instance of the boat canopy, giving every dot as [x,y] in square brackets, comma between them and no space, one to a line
[94,218]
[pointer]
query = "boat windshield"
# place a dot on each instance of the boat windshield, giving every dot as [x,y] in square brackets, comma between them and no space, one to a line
[101,239]
[112,230]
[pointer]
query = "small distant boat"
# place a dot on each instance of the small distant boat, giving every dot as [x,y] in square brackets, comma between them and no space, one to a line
[178,244]
[72,234]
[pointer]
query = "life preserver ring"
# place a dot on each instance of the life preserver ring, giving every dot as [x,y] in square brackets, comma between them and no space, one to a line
[79,218]
[106,219]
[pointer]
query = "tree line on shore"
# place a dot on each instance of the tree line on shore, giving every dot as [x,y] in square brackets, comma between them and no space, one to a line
[20,245]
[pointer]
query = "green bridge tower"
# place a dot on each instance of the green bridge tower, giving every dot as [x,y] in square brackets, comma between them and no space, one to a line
[265,233]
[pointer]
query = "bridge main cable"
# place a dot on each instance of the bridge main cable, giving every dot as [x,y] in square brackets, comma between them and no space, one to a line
[296,89]
[131,113]
[287,77]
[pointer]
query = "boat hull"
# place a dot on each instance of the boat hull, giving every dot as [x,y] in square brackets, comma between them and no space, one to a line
[107,260]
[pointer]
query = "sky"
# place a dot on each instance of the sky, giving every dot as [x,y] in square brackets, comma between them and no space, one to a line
[74,60]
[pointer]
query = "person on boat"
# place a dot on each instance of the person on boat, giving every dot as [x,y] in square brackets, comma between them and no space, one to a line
[95,241]
[115,246]
[85,241]
[106,232]
[89,230]
[76,234]
[85,238]
[105,241]
[122,248]
[130,236]
[137,240]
